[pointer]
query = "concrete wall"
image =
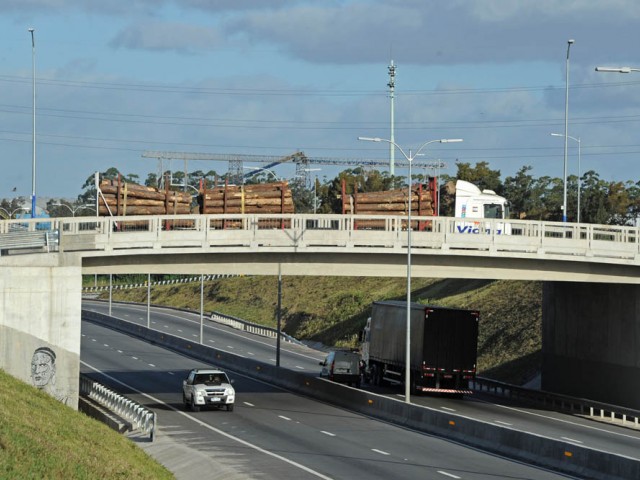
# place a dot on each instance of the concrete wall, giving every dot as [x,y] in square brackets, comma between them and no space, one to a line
[40,314]
[591,341]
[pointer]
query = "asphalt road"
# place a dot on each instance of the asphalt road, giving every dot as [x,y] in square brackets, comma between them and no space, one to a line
[568,428]
[273,434]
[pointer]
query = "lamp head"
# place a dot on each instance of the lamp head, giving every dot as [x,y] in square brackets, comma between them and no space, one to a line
[31,29]
[571,42]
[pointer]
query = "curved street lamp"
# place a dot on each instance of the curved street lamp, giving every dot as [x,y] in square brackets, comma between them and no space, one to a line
[566,132]
[72,209]
[410,157]
[33,153]
[10,213]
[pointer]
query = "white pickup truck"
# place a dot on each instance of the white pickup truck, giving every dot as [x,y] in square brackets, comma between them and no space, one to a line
[206,387]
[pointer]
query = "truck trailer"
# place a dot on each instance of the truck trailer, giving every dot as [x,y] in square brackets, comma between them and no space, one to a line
[443,346]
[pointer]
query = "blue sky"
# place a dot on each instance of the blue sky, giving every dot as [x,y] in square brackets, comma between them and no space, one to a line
[271,77]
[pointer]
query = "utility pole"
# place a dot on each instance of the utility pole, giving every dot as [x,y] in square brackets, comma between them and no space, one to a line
[392,86]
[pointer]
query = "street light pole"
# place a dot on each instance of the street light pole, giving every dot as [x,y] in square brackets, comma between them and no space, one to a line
[33,139]
[566,132]
[409,157]
[579,170]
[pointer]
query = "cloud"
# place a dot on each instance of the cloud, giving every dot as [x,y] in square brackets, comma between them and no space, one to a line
[161,36]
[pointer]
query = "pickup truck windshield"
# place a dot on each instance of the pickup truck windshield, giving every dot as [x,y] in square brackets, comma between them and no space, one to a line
[210,379]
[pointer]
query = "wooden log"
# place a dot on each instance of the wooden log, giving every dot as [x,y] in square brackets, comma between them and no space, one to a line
[236,210]
[147,211]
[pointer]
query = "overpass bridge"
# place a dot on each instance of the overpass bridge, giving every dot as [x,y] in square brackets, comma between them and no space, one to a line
[591,275]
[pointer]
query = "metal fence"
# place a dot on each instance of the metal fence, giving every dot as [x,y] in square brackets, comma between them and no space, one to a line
[140,416]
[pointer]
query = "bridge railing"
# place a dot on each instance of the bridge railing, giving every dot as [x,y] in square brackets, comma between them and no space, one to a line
[322,230]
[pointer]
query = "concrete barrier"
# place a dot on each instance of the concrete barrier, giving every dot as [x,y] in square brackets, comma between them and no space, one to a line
[526,447]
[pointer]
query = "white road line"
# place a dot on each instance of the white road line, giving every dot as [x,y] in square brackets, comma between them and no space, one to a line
[195,335]
[135,358]
[166,326]
[560,420]
[105,344]
[229,346]
[151,364]
[301,368]
[93,339]
[180,330]
[328,433]
[213,429]
[119,351]
[251,353]
[571,440]
[212,341]
[442,472]
[171,373]
[379,451]
[284,418]
[249,404]
[448,409]
[503,423]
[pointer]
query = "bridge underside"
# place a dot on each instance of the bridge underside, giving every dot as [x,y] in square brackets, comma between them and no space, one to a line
[359,263]
[591,341]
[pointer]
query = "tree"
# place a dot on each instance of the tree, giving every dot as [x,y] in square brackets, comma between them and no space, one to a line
[481,176]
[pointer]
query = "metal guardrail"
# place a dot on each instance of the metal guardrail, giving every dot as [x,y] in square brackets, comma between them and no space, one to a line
[582,406]
[140,416]
[249,327]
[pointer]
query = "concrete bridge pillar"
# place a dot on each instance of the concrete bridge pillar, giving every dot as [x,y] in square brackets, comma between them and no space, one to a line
[591,341]
[40,310]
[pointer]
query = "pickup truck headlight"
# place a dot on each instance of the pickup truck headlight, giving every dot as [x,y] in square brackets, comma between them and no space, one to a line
[199,393]
[228,391]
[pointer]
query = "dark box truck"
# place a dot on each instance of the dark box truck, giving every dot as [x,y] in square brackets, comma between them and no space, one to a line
[443,347]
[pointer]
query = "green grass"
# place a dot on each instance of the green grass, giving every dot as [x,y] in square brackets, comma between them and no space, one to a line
[40,438]
[332,310]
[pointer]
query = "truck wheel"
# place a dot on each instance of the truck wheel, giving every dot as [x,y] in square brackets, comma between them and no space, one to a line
[230,407]
[194,407]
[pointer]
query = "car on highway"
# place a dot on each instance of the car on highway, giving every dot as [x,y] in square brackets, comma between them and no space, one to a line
[342,366]
[208,387]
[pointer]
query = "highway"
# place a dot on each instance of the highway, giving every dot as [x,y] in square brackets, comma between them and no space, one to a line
[275,434]
[570,429]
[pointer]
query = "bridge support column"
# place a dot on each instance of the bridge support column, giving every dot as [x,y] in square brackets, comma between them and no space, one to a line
[591,341]
[40,309]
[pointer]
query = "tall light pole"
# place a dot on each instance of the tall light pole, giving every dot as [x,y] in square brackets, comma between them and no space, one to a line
[315,183]
[566,132]
[33,140]
[579,170]
[72,209]
[409,157]
[392,86]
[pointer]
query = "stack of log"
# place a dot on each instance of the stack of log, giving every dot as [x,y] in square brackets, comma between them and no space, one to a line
[255,198]
[391,202]
[121,198]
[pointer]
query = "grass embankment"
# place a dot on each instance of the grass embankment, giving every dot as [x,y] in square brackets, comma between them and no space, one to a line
[332,310]
[42,438]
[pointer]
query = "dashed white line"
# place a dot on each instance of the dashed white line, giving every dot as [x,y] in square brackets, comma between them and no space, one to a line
[195,335]
[442,472]
[249,404]
[328,433]
[299,367]
[119,351]
[381,452]
[571,440]
[448,409]
[93,339]
[105,344]
[180,330]
[166,326]
[503,423]
[151,364]
[251,353]
[229,346]
[284,418]
[135,358]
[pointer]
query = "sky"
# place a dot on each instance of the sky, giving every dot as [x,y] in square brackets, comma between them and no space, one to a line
[272,77]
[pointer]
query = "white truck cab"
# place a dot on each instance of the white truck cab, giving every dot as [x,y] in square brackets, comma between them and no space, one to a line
[208,387]
[473,203]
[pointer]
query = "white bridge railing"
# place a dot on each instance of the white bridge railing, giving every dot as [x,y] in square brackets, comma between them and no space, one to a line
[606,243]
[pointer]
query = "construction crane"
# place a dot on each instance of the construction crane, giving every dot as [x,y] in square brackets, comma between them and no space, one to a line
[301,161]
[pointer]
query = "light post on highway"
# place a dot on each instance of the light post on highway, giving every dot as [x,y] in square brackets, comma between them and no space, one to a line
[566,131]
[12,212]
[33,139]
[579,171]
[72,209]
[410,157]
[315,183]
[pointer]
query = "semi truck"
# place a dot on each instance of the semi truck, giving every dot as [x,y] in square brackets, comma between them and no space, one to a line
[443,347]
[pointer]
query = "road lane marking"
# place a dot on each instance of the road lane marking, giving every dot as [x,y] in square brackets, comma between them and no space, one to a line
[571,440]
[151,365]
[442,472]
[105,344]
[301,368]
[249,404]
[135,358]
[380,451]
[328,433]
[448,409]
[284,418]
[119,351]
[503,423]
[213,429]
